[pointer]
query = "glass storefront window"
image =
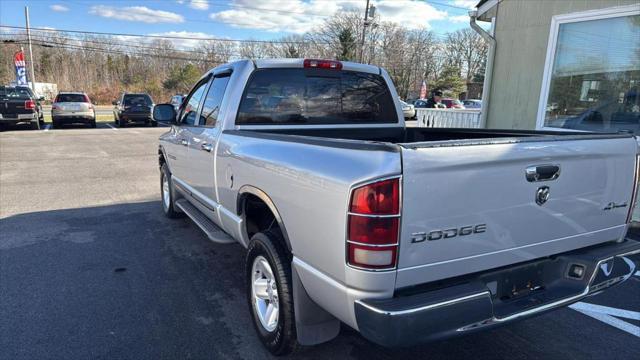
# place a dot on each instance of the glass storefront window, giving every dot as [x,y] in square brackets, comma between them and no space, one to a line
[595,79]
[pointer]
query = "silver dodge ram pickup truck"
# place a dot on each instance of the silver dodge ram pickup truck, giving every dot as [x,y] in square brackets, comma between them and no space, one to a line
[405,234]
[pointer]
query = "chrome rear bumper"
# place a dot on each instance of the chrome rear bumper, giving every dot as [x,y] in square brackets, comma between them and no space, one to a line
[489,299]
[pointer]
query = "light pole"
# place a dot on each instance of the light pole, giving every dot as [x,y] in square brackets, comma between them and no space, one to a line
[364,29]
[32,75]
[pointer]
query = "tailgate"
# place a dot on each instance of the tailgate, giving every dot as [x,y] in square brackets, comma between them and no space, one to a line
[468,208]
[13,107]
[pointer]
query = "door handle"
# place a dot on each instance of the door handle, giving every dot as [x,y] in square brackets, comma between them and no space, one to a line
[206,147]
[542,172]
[184,142]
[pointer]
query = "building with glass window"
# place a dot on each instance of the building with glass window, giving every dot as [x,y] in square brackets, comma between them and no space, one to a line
[563,64]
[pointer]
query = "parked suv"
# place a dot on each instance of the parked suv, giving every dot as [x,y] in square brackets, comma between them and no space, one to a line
[72,108]
[133,108]
[19,105]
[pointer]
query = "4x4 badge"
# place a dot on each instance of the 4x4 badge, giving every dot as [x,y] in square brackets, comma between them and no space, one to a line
[542,195]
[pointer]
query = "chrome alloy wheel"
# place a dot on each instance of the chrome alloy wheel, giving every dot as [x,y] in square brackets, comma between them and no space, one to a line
[166,193]
[264,291]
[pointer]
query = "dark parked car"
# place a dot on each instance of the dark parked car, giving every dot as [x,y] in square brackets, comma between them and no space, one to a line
[133,108]
[19,105]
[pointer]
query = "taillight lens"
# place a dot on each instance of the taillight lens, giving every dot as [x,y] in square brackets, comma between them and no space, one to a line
[373,230]
[634,195]
[373,225]
[29,104]
[322,64]
[379,198]
[372,258]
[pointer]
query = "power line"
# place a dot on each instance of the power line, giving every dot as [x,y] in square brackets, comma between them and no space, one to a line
[154,36]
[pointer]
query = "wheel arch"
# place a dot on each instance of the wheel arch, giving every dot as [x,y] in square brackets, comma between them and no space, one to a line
[244,193]
[162,157]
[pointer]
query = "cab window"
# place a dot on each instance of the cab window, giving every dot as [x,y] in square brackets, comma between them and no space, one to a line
[190,112]
[211,106]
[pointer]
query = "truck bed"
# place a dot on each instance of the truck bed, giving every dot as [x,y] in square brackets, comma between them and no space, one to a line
[427,137]
[483,183]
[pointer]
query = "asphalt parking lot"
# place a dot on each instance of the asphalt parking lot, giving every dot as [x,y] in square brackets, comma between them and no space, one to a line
[91,269]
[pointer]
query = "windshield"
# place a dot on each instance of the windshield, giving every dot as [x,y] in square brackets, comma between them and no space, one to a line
[133,100]
[71,98]
[15,92]
[315,96]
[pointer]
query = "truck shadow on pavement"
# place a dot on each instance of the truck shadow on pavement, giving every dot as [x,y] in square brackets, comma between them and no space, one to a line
[123,281]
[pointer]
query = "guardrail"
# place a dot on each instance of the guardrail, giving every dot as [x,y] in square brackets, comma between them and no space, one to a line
[440,118]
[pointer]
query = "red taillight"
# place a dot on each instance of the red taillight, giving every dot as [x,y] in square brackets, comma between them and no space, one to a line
[381,198]
[322,64]
[634,194]
[29,104]
[373,230]
[373,225]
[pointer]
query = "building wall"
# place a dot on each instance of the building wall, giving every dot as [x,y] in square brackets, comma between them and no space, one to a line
[522,32]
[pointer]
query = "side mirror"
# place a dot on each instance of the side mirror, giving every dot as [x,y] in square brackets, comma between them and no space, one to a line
[164,113]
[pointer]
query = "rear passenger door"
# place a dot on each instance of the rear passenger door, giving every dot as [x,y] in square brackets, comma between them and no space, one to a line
[203,142]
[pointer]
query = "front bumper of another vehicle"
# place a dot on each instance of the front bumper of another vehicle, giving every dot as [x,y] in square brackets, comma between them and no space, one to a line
[489,299]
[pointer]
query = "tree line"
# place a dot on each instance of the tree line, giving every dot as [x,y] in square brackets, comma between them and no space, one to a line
[104,66]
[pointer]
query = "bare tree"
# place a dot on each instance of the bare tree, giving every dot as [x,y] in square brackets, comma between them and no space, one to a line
[465,49]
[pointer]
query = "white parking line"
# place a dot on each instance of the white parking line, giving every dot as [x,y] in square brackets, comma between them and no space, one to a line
[111,126]
[606,315]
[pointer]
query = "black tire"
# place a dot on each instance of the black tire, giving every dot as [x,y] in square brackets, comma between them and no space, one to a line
[168,209]
[93,124]
[154,124]
[270,244]
[121,123]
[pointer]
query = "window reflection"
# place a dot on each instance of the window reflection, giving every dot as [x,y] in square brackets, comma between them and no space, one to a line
[302,96]
[596,76]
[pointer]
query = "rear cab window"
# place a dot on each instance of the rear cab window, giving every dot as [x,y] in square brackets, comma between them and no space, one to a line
[71,98]
[315,97]
[137,99]
[15,92]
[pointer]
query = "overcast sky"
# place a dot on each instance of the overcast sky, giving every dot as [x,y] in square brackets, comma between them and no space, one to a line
[238,19]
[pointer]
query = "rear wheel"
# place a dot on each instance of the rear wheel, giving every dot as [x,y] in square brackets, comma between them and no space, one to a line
[270,292]
[154,124]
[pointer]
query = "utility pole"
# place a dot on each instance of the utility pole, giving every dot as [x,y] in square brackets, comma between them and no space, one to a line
[364,29]
[32,75]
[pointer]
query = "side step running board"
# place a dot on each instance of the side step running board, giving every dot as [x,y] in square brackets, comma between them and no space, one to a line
[214,233]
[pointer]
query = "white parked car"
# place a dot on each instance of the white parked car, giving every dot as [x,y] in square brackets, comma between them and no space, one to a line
[408,110]
[472,104]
